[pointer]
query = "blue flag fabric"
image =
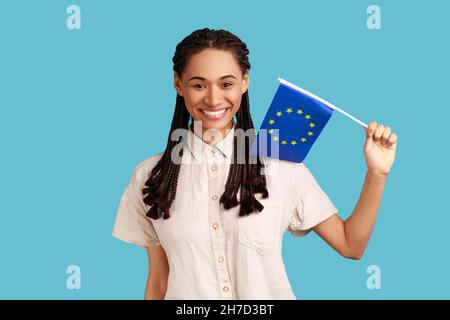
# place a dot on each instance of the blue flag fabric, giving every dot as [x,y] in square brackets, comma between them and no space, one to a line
[292,124]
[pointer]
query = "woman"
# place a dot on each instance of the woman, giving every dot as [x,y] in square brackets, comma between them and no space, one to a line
[212,225]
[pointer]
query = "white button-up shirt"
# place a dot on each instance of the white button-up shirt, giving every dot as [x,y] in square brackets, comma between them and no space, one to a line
[212,252]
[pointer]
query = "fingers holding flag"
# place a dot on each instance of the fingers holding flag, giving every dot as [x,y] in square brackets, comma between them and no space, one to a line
[392,141]
[380,134]
[370,130]
[379,148]
[385,136]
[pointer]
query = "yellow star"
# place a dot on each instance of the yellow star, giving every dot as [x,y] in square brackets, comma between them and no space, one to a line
[275,138]
[279,113]
[271,121]
[303,139]
[310,133]
[293,142]
[270,131]
[307,117]
[284,142]
[299,111]
[289,110]
[312,124]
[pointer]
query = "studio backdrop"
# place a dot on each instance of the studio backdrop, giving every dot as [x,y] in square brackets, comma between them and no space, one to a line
[86,94]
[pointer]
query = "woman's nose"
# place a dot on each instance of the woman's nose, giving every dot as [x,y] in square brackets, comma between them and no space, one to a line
[214,97]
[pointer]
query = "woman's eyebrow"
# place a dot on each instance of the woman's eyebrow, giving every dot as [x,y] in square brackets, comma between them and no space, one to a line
[203,79]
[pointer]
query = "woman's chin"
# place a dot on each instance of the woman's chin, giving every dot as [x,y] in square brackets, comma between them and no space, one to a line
[221,125]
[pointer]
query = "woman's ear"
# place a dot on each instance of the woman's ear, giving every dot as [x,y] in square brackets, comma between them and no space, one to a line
[177,84]
[245,82]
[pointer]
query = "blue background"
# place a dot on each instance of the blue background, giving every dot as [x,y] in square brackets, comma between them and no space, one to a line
[81,108]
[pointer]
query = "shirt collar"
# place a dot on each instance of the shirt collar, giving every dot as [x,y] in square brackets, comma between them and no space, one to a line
[224,146]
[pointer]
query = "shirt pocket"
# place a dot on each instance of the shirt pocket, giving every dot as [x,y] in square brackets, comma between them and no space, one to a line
[260,230]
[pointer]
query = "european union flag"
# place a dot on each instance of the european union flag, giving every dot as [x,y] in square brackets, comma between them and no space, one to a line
[292,124]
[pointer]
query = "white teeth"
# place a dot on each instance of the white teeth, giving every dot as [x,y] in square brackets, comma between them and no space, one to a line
[214,113]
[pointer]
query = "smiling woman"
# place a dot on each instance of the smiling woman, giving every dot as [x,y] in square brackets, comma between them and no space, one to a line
[212,86]
[213,229]
[211,80]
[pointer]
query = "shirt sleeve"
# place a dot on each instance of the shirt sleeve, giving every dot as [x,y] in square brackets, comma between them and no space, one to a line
[312,206]
[131,224]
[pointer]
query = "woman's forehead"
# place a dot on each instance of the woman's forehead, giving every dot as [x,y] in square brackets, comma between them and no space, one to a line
[212,65]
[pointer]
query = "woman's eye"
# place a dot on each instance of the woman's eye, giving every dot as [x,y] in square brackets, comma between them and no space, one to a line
[199,85]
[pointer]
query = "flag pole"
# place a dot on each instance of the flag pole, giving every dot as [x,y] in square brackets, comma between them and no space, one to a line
[332,106]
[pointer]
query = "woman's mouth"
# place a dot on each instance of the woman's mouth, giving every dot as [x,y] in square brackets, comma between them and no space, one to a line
[214,115]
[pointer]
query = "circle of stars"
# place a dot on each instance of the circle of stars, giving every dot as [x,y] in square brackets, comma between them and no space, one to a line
[300,112]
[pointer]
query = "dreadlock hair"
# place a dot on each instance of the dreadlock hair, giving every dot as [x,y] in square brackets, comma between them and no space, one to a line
[161,186]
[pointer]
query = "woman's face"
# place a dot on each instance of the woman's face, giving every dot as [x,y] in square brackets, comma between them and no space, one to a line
[212,86]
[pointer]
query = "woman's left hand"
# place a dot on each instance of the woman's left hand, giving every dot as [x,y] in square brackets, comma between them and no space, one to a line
[379,148]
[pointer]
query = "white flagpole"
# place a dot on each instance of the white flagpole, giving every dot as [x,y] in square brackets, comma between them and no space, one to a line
[332,106]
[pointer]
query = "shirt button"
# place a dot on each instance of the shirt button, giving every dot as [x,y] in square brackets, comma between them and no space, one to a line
[215,226]
[213,150]
[225,289]
[213,168]
[220,259]
[214,197]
